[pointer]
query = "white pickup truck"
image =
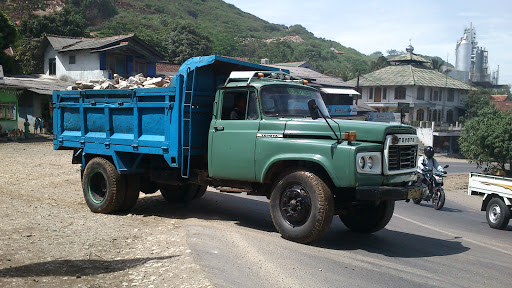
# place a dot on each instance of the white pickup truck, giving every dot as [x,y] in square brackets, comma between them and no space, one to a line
[497,202]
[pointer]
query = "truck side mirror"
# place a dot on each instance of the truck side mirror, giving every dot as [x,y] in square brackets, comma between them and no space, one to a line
[313,109]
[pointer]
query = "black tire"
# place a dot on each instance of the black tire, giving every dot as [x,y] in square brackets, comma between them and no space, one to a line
[147,186]
[102,186]
[369,218]
[438,199]
[301,206]
[497,213]
[132,189]
[416,200]
[182,193]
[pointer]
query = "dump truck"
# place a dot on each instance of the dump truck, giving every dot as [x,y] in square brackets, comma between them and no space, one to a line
[281,144]
[497,197]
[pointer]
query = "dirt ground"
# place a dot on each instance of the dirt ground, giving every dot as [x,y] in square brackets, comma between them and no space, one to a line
[48,236]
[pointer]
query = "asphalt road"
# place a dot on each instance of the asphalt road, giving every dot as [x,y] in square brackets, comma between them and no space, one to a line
[234,241]
[458,166]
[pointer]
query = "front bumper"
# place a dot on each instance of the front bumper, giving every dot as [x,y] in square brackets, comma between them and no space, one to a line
[375,193]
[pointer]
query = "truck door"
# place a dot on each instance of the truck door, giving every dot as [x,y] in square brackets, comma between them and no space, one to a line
[233,136]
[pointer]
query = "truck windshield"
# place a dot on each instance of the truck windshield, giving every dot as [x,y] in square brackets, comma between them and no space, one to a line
[287,101]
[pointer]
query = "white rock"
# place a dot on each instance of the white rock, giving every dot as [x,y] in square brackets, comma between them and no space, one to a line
[158,82]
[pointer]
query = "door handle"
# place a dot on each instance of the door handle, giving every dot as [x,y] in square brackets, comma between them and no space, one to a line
[218,128]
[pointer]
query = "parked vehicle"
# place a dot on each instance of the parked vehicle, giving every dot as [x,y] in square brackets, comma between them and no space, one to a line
[497,200]
[181,138]
[434,188]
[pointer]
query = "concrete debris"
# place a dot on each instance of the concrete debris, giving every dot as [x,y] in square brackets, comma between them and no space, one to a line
[118,82]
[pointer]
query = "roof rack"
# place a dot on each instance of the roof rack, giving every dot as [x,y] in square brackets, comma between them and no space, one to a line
[238,76]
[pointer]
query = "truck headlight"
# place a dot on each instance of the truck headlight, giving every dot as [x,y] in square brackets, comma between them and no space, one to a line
[361,162]
[369,162]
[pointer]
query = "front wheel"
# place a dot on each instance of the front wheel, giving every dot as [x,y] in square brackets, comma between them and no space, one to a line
[301,206]
[369,218]
[416,200]
[438,198]
[498,214]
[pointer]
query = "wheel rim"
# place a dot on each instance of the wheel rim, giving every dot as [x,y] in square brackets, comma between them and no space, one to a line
[436,198]
[494,213]
[295,204]
[97,186]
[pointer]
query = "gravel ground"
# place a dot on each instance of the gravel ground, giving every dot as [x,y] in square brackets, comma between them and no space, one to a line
[48,236]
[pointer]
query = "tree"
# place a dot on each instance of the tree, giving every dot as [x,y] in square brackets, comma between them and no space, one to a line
[487,139]
[437,64]
[66,22]
[393,52]
[379,64]
[94,11]
[184,41]
[476,101]
[7,32]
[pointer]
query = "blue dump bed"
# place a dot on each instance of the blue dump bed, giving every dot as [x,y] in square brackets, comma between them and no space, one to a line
[172,121]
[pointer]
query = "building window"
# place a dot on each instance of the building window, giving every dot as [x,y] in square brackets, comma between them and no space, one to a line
[72,59]
[449,116]
[451,95]
[436,95]
[421,93]
[430,97]
[400,93]
[141,67]
[440,96]
[52,66]
[370,95]
[420,115]
[117,65]
[434,115]
[384,93]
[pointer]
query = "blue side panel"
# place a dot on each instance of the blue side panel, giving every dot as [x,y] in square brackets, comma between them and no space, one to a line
[103,61]
[126,124]
[151,69]
[129,65]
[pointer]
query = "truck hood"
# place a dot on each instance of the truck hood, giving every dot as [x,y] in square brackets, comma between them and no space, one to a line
[366,130]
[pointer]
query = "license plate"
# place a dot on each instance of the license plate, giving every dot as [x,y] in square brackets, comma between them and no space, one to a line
[414,193]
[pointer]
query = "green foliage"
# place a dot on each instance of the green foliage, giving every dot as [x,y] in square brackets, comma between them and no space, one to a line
[28,57]
[476,101]
[487,138]
[380,63]
[95,10]
[7,32]
[67,22]
[184,41]
[437,63]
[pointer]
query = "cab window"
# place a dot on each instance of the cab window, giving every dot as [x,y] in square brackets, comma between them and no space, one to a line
[239,105]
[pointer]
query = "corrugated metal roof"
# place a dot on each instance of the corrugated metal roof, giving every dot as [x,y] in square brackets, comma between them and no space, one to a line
[408,75]
[38,83]
[95,43]
[58,42]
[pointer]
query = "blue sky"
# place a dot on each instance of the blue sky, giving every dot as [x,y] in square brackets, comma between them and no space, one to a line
[368,26]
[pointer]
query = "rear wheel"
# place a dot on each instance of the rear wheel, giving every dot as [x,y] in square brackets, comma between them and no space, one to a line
[182,193]
[102,186]
[369,218]
[438,199]
[498,214]
[132,187]
[301,206]
[416,200]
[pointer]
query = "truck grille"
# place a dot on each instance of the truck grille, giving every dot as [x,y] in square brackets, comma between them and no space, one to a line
[402,157]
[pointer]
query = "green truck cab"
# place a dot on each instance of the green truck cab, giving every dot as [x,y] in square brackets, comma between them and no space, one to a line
[310,169]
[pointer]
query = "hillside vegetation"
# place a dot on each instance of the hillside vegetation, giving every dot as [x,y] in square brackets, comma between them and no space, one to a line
[181,29]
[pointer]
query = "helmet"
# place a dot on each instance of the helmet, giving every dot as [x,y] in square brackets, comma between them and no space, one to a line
[429,152]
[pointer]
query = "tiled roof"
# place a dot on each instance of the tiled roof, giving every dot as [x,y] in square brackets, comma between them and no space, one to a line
[409,57]
[166,67]
[503,106]
[408,75]
[499,98]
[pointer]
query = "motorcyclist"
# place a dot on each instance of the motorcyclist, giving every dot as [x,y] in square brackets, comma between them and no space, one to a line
[427,162]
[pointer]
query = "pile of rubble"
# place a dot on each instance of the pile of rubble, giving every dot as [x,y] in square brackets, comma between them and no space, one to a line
[137,81]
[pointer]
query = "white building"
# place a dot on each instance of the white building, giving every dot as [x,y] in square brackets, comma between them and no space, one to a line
[76,58]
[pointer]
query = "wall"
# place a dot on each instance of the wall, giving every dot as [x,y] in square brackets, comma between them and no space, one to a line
[86,67]
[426,136]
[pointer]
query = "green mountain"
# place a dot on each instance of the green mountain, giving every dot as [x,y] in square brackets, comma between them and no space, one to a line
[187,28]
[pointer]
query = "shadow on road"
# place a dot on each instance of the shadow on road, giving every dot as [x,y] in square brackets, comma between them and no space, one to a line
[390,243]
[75,268]
[255,214]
